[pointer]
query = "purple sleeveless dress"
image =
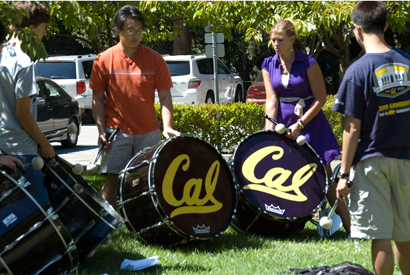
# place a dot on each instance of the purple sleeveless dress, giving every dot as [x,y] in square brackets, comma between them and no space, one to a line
[318,133]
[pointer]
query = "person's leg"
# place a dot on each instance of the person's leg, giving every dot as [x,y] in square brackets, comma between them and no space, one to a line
[382,257]
[402,251]
[113,161]
[341,209]
[109,190]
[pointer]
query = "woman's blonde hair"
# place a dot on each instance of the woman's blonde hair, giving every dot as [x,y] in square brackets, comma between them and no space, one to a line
[285,26]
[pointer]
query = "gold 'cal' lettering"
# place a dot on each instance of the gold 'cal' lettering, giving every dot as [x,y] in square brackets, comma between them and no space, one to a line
[276,187]
[192,189]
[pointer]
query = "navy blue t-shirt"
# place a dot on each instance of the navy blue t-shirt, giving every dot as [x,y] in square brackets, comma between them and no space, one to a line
[376,90]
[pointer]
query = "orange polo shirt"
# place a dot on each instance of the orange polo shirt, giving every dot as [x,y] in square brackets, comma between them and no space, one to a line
[130,85]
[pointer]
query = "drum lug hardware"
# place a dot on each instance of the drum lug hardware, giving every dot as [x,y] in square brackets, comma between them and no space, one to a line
[53,186]
[50,210]
[54,217]
[21,181]
[78,188]
[27,184]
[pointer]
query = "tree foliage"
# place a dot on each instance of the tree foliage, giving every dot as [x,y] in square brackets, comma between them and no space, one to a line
[321,25]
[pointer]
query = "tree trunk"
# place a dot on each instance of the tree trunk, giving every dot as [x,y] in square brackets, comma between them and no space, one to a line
[182,42]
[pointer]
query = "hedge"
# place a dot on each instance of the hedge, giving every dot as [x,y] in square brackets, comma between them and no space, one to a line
[225,125]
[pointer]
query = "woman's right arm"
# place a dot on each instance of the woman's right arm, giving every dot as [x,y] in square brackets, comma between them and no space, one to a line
[272,101]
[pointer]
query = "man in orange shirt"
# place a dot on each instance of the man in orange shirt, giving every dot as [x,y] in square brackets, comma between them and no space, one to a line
[129,73]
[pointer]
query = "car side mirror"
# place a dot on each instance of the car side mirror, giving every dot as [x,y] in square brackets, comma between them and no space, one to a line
[40,100]
[233,70]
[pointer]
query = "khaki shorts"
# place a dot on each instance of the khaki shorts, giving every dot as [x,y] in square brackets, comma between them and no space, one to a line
[123,148]
[380,200]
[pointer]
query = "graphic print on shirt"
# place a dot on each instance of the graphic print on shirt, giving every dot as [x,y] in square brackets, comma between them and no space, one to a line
[391,81]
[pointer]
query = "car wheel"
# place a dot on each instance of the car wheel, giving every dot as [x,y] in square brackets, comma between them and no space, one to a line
[238,94]
[72,139]
[210,98]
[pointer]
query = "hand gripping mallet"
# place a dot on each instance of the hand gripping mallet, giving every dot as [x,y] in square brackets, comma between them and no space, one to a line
[92,168]
[280,129]
[36,162]
[326,221]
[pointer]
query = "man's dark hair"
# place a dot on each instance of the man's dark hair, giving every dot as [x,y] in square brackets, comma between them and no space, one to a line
[3,32]
[37,14]
[370,15]
[126,12]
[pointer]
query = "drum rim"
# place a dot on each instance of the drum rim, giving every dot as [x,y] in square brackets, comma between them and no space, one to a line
[232,167]
[69,247]
[89,190]
[124,172]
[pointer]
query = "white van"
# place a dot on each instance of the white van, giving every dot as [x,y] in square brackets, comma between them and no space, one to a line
[72,73]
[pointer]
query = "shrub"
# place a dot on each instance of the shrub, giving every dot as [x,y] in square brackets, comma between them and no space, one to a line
[225,125]
[334,118]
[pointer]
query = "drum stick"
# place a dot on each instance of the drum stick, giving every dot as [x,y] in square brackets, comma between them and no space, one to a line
[299,140]
[92,168]
[325,221]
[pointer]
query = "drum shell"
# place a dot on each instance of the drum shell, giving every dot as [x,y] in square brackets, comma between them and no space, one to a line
[146,210]
[89,219]
[41,240]
[285,216]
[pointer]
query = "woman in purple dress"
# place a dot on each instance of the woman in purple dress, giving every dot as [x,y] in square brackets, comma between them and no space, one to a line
[295,95]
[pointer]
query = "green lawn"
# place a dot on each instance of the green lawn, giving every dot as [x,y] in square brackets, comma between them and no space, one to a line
[230,253]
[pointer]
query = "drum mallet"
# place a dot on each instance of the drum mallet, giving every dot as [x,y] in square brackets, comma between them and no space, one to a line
[280,129]
[92,168]
[36,162]
[326,221]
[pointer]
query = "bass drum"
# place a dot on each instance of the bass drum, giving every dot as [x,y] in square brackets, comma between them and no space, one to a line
[177,191]
[280,184]
[89,218]
[33,240]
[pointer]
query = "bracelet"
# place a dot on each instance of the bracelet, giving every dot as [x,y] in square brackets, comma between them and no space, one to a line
[300,123]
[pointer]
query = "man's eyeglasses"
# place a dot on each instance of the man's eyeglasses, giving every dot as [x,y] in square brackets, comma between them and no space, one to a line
[134,32]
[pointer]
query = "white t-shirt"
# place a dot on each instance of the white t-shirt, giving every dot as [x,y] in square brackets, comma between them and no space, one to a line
[17,80]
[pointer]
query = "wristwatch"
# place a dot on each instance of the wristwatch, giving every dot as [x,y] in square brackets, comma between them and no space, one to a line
[344,175]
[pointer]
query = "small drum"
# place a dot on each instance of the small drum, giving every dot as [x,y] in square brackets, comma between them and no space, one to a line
[89,219]
[280,184]
[33,239]
[177,191]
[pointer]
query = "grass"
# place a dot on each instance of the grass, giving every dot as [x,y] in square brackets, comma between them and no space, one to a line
[230,253]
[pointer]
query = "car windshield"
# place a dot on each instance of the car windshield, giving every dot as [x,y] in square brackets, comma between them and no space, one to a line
[177,68]
[56,70]
[259,78]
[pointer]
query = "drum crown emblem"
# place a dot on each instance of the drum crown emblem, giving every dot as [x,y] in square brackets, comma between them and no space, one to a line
[201,229]
[274,209]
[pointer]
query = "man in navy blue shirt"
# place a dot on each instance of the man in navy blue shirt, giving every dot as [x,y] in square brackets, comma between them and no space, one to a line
[375,98]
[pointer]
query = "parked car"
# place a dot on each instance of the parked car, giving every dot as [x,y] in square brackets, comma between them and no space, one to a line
[72,73]
[256,92]
[193,80]
[56,109]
